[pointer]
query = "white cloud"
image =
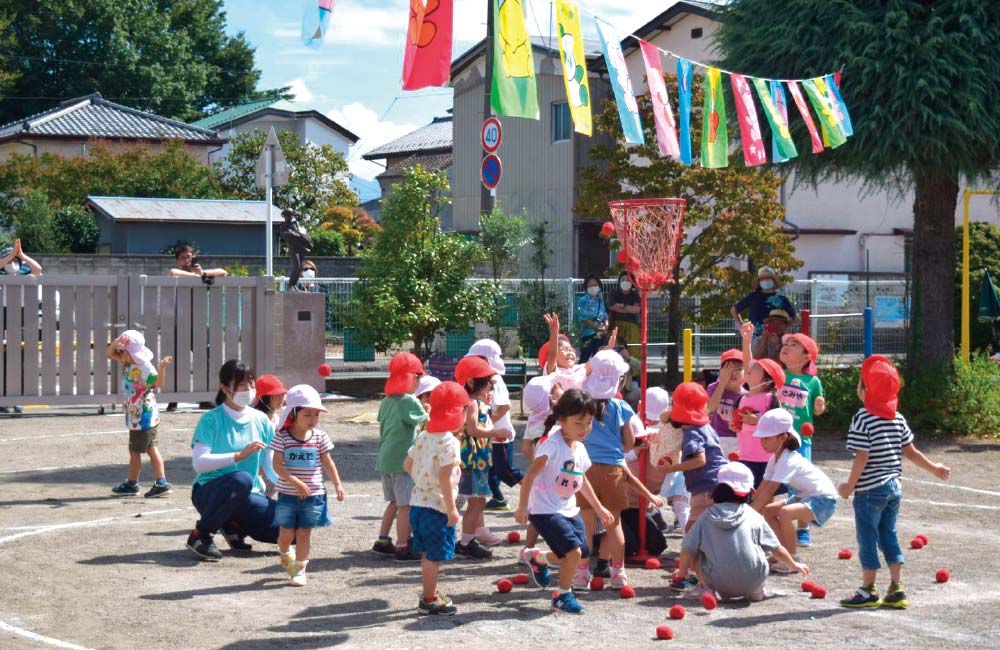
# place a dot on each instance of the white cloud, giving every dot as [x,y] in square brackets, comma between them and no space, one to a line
[301,90]
[373,132]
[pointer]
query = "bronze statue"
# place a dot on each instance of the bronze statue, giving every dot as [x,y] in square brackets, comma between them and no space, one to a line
[299,244]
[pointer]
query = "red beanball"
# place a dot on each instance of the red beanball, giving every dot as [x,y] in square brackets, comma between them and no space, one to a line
[943,575]
[664,632]
[504,585]
[627,592]
[652,563]
[734,456]
[513,537]
[677,612]
[916,543]
[324,370]
[808,586]
[709,601]
[597,583]
[521,579]
[923,538]
[607,229]
[845,554]
[819,592]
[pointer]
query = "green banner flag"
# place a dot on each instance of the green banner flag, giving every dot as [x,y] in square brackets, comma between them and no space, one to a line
[514,92]
[714,136]
[827,111]
[779,125]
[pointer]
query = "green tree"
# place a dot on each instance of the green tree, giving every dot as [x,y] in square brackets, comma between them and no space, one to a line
[984,254]
[921,81]
[732,213]
[502,236]
[8,45]
[32,222]
[171,57]
[76,229]
[414,280]
[327,243]
[317,175]
[537,300]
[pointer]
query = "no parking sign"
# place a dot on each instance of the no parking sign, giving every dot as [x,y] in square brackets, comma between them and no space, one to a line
[491,172]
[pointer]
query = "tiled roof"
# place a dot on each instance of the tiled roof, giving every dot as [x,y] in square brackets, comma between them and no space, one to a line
[431,162]
[281,107]
[94,117]
[215,120]
[129,208]
[435,137]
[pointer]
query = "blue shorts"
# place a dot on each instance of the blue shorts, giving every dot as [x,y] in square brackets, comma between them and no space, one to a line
[822,507]
[561,533]
[475,483]
[432,535]
[293,512]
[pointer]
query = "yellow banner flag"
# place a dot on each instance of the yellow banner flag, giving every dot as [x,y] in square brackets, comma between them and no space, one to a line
[574,62]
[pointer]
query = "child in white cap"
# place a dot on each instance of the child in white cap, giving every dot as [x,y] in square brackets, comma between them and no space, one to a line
[664,451]
[727,547]
[140,379]
[301,453]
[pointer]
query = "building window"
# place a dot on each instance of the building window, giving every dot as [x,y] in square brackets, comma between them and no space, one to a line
[696,32]
[562,124]
[907,254]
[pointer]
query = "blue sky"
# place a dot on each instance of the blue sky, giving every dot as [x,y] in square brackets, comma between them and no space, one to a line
[354,77]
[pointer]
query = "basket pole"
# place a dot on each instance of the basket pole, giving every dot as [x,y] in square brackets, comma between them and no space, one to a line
[642,554]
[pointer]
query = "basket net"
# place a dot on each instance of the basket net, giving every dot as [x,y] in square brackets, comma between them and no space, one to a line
[651,231]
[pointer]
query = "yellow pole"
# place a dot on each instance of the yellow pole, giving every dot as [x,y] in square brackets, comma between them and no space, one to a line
[966,327]
[688,353]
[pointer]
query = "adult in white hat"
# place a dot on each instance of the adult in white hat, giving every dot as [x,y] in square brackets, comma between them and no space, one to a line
[764,296]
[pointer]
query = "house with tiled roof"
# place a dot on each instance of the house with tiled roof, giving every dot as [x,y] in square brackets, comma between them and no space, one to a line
[309,125]
[73,125]
[429,146]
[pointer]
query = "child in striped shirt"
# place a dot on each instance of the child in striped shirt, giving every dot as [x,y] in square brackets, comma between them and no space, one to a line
[301,453]
[879,438]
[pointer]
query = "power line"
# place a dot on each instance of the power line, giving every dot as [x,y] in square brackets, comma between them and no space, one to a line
[46,59]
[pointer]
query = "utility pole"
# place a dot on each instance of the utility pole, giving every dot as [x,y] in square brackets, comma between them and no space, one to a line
[488,199]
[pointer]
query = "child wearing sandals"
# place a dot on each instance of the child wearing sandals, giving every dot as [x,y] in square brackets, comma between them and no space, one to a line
[815,498]
[548,497]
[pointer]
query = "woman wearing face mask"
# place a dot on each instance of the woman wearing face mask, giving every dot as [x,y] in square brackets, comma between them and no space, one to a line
[308,273]
[623,307]
[592,317]
[14,261]
[765,296]
[228,446]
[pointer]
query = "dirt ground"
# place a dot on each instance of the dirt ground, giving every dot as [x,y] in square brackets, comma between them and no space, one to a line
[83,569]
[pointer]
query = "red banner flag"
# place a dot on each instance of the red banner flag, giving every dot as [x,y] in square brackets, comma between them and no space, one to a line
[753,143]
[800,101]
[427,60]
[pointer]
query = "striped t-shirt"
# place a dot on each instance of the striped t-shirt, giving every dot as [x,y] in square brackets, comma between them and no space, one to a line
[884,440]
[302,459]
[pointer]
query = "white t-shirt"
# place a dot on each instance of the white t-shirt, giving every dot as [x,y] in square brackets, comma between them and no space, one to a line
[501,397]
[430,452]
[800,475]
[555,487]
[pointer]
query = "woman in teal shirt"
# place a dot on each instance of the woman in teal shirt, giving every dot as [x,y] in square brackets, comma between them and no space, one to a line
[592,315]
[228,450]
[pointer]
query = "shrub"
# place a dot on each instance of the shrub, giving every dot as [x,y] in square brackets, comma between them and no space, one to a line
[840,390]
[327,243]
[973,407]
[77,229]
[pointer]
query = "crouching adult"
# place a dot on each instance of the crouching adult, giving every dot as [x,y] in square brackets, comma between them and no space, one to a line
[229,446]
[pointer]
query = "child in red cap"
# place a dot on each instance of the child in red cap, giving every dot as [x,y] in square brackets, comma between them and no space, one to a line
[879,437]
[764,378]
[399,416]
[723,396]
[434,462]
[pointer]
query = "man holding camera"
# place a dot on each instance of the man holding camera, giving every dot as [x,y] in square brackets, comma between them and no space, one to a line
[188,266]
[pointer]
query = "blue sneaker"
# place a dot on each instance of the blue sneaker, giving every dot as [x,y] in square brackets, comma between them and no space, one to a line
[540,573]
[568,604]
[681,586]
[803,538]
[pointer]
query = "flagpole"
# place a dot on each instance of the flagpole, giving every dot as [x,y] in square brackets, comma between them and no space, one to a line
[487,198]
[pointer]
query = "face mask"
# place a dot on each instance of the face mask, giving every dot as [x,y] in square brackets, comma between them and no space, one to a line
[626,285]
[244,398]
[309,273]
[767,285]
[12,268]
[593,291]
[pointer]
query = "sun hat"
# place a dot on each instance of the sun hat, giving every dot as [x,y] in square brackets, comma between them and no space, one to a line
[689,402]
[136,347]
[778,313]
[738,477]
[543,352]
[402,367]
[639,429]
[810,346]
[773,370]
[776,422]
[731,355]
[490,350]
[301,396]
[447,402]
[606,369]
[881,381]
[765,272]
[472,368]
[538,394]
[657,401]
[269,385]
[426,384]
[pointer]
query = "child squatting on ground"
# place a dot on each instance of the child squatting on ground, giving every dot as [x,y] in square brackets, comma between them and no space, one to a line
[879,437]
[548,497]
[399,416]
[301,453]
[434,463]
[140,379]
[727,547]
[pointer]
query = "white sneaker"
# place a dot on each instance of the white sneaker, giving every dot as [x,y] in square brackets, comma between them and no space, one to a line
[521,557]
[781,569]
[298,574]
[486,537]
[581,581]
[618,578]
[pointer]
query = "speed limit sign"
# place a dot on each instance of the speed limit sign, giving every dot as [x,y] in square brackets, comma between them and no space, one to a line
[491,134]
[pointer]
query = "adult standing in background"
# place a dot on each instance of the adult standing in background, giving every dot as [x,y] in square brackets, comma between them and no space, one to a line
[14,261]
[592,316]
[188,266]
[765,295]
[624,309]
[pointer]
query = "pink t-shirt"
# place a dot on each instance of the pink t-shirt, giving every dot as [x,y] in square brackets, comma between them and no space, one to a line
[750,447]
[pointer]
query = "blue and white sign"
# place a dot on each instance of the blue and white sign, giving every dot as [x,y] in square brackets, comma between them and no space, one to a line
[492,170]
[491,135]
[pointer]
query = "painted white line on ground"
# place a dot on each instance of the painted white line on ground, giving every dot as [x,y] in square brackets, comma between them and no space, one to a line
[49,469]
[951,505]
[935,484]
[76,435]
[28,634]
[83,524]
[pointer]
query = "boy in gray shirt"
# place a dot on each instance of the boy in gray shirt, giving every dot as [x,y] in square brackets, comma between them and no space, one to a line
[727,547]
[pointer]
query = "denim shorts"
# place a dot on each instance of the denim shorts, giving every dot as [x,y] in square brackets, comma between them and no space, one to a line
[875,514]
[822,507]
[293,512]
[561,533]
[432,536]
[475,483]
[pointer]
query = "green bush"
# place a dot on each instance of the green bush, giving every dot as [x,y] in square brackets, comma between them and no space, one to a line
[840,390]
[77,229]
[327,243]
[973,407]
[32,222]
